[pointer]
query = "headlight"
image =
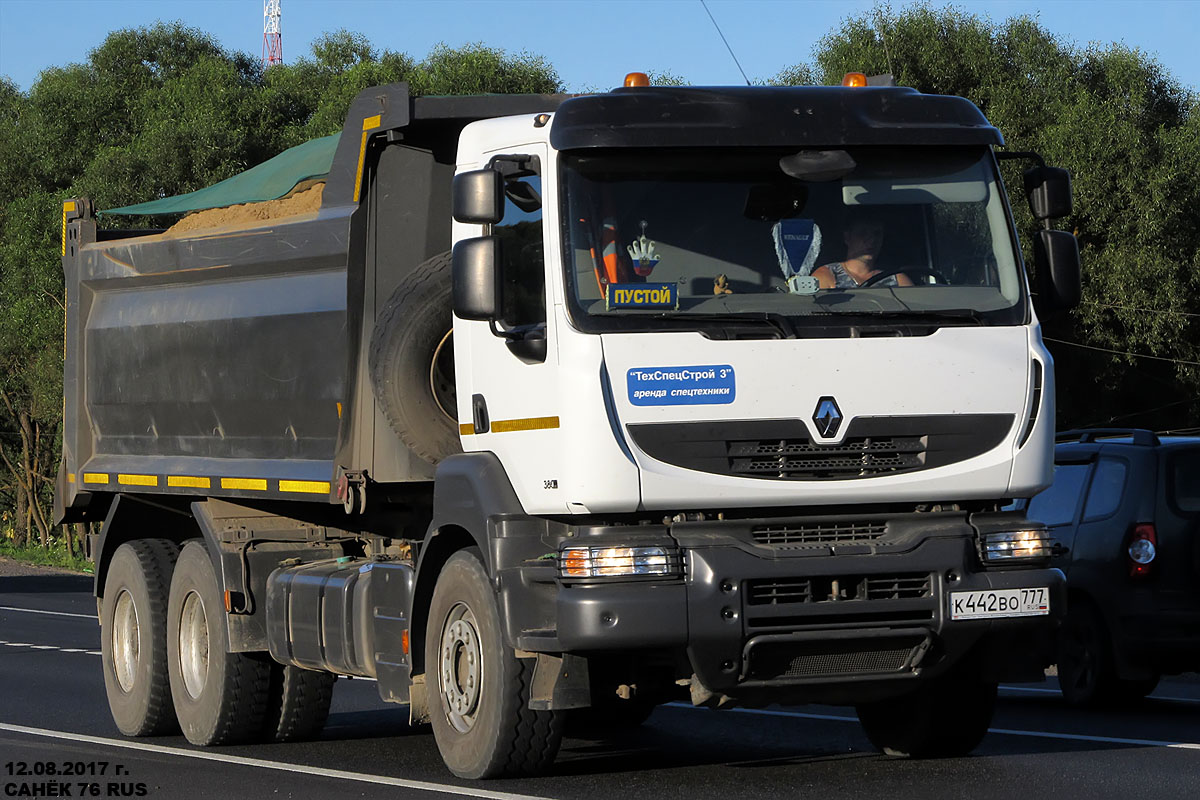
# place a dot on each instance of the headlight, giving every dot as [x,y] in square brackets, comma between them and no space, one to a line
[611,562]
[1015,545]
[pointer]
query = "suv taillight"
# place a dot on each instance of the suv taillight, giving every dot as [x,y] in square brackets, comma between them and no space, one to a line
[1143,547]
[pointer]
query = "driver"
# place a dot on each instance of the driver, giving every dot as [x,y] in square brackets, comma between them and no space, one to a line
[864,240]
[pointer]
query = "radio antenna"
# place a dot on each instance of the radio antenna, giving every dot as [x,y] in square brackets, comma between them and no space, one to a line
[726,41]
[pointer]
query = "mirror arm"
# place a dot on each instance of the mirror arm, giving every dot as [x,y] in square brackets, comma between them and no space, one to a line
[1006,155]
[508,336]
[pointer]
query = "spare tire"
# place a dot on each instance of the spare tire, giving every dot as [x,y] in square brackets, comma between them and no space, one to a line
[411,361]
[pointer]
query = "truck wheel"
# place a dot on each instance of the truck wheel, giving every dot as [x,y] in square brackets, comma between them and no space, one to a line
[945,718]
[1086,674]
[133,637]
[608,718]
[479,689]
[297,703]
[220,697]
[412,362]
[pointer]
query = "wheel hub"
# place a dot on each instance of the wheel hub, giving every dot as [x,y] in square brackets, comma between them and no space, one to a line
[125,641]
[193,645]
[461,667]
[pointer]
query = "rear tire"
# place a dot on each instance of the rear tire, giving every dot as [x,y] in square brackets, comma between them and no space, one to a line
[478,688]
[298,703]
[220,697]
[133,637]
[944,718]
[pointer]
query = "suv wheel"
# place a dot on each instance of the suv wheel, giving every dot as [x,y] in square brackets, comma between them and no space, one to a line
[1086,675]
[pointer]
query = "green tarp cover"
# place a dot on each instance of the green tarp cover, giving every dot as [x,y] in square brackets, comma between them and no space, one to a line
[269,180]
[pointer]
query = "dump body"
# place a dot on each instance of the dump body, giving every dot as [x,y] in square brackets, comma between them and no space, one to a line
[230,362]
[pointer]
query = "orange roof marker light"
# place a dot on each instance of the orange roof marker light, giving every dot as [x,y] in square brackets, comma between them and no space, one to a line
[637,79]
[854,79]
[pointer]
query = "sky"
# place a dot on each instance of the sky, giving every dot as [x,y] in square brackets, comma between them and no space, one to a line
[591,43]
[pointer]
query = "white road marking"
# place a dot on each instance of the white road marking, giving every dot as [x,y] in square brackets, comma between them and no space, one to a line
[204,755]
[1038,690]
[52,613]
[50,647]
[1080,737]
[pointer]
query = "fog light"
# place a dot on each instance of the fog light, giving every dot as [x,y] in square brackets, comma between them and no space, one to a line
[1016,545]
[614,562]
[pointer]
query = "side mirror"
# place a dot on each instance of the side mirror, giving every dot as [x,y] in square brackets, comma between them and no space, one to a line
[1056,257]
[1049,192]
[479,197]
[476,277]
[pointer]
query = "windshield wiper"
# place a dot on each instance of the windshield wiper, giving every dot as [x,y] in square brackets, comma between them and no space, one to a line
[917,317]
[780,322]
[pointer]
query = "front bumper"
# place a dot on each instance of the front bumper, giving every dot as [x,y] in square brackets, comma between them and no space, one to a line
[848,620]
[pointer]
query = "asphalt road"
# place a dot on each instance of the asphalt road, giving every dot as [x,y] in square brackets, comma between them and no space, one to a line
[53,715]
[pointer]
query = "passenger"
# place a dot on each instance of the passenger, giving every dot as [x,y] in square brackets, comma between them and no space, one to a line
[864,240]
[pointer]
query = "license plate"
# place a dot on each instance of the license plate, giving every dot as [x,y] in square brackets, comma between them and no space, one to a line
[993,603]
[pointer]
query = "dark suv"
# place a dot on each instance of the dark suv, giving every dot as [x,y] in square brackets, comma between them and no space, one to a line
[1124,517]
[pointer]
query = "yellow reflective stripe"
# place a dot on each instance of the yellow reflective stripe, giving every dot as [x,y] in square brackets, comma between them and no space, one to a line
[369,124]
[466,428]
[258,484]
[67,206]
[137,480]
[189,482]
[310,487]
[95,477]
[528,424]
[70,477]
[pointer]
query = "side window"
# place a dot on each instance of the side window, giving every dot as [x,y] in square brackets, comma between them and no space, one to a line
[1057,505]
[1108,487]
[1186,483]
[523,270]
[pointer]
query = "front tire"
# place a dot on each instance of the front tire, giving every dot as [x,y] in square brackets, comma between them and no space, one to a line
[946,717]
[133,637]
[479,689]
[220,697]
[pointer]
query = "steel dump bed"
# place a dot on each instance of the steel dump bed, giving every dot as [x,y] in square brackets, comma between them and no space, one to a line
[231,361]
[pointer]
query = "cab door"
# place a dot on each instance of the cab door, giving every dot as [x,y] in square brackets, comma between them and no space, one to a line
[507,369]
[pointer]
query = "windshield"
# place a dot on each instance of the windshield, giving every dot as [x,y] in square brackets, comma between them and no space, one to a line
[811,237]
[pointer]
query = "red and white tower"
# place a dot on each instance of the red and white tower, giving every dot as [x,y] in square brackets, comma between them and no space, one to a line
[272,52]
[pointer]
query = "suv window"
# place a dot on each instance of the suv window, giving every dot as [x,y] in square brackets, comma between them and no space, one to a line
[1108,487]
[1186,483]
[1057,505]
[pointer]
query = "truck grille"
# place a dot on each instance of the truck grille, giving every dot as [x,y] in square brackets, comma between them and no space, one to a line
[820,533]
[779,591]
[800,459]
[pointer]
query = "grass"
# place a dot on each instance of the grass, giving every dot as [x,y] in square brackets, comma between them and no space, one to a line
[55,556]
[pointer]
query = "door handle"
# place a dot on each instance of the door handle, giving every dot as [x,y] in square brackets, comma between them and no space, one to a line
[479,414]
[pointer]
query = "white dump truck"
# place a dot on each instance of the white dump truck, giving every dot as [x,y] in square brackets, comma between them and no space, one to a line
[572,407]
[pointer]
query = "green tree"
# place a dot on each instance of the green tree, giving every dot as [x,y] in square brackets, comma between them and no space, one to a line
[1130,136]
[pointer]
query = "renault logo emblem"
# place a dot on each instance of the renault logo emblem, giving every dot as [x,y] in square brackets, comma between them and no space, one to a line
[828,417]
